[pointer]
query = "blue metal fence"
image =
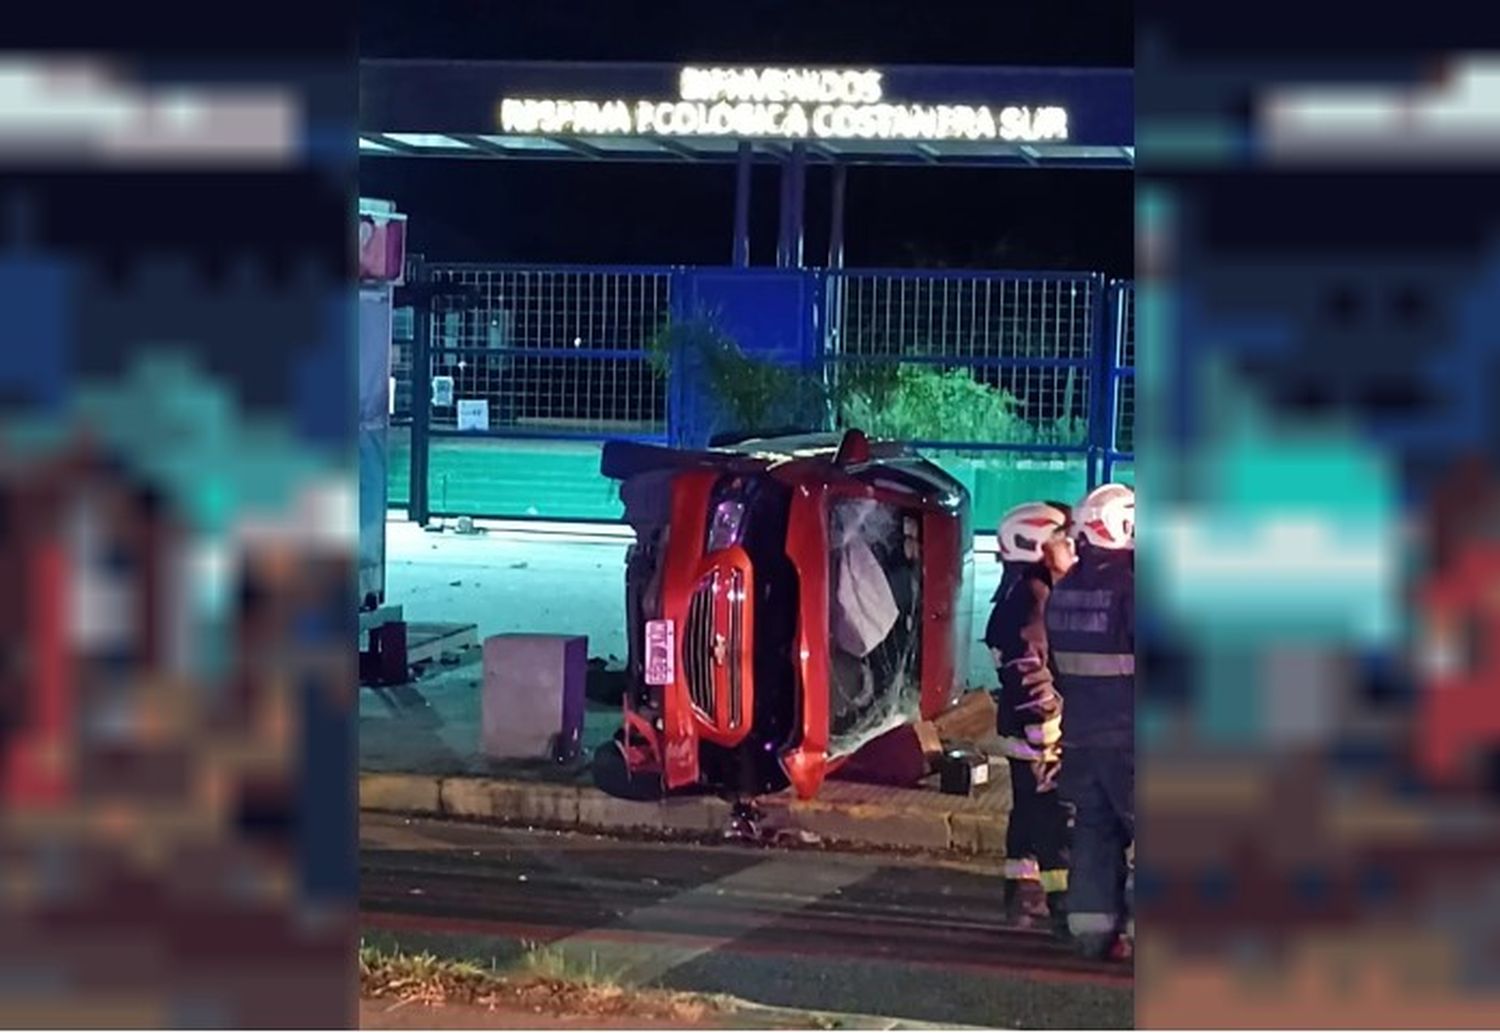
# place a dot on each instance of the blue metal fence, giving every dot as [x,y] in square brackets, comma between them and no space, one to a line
[1028,337]
[563,353]
[551,352]
[1119,422]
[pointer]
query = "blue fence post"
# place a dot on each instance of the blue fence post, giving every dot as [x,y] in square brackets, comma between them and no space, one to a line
[1113,348]
[826,285]
[680,395]
[1101,366]
[417,504]
[815,340]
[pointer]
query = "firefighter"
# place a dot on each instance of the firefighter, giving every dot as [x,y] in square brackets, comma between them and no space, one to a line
[1091,630]
[1036,551]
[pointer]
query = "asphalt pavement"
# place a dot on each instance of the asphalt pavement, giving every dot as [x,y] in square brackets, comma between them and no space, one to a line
[910,939]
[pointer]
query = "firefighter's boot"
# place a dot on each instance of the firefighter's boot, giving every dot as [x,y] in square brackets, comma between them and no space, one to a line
[1025,905]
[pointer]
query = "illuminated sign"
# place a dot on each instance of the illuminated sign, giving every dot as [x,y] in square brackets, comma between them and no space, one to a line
[783,104]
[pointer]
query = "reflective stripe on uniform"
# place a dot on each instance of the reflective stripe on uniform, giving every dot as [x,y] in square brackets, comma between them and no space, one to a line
[1085,923]
[1095,665]
[1079,620]
[1046,733]
[1021,869]
[1054,880]
[1018,749]
[1081,598]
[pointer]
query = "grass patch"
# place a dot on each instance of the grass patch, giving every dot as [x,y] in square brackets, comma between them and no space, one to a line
[543,980]
[553,965]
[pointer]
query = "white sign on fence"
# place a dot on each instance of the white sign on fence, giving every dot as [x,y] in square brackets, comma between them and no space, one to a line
[442,391]
[473,414]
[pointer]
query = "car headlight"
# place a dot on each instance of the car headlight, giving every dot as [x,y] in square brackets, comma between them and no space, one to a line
[724,528]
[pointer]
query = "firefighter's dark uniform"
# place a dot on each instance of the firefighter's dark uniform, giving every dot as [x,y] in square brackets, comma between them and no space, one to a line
[1036,838]
[1091,631]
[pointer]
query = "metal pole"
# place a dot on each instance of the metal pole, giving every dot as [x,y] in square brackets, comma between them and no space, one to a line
[1115,345]
[783,233]
[741,256]
[799,197]
[1100,354]
[836,225]
[421,396]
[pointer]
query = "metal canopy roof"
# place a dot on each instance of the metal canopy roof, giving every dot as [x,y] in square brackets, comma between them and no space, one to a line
[449,109]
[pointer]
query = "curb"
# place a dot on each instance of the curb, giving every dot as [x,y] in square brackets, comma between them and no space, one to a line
[815,1019]
[586,808]
[812,1018]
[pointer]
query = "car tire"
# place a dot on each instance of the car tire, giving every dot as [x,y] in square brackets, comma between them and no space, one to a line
[612,776]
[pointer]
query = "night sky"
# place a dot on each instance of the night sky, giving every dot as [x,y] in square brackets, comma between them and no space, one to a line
[665,213]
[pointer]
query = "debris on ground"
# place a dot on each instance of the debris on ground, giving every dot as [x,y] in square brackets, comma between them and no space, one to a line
[797,837]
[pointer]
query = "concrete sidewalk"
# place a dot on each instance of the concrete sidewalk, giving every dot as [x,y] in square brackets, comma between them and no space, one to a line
[844,813]
[419,754]
[558,584]
[733,1014]
[419,743]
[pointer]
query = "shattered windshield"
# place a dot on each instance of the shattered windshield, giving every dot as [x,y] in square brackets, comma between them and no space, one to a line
[875,593]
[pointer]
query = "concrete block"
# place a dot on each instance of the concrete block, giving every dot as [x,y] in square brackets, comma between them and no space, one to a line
[401,793]
[532,699]
[979,833]
[529,803]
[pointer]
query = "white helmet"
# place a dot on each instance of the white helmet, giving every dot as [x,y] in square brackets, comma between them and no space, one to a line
[1106,517]
[1024,529]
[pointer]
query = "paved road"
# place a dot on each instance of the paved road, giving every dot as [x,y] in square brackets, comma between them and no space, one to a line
[818,930]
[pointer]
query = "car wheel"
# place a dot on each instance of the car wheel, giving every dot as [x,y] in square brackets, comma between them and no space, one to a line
[613,777]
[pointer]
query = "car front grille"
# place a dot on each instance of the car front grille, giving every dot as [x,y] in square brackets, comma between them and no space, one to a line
[717,609]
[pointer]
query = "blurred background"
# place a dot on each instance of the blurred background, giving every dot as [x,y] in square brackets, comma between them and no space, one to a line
[176,528]
[1320,718]
[1318,238]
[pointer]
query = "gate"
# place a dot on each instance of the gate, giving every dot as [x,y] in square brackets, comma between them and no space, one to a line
[1020,383]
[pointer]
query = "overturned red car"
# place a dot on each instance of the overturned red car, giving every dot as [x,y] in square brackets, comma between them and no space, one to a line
[789,600]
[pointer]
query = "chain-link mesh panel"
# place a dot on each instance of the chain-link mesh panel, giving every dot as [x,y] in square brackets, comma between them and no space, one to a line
[959,403]
[983,315]
[561,351]
[402,332]
[1124,429]
[1125,414]
[982,357]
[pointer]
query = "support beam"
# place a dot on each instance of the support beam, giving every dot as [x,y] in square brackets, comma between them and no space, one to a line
[418,506]
[395,145]
[673,147]
[798,206]
[783,230]
[741,255]
[836,218]
[577,147]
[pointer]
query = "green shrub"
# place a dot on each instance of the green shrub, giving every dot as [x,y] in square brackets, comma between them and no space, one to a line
[905,401]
